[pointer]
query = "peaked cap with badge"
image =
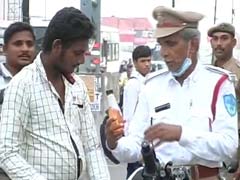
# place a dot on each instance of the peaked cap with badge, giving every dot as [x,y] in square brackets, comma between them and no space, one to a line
[170,21]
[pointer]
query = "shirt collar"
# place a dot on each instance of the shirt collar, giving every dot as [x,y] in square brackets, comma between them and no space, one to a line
[137,75]
[193,77]
[70,79]
[5,72]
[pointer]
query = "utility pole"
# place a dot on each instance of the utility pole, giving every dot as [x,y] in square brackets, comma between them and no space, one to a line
[173,3]
[214,21]
[25,11]
[215,12]
[233,11]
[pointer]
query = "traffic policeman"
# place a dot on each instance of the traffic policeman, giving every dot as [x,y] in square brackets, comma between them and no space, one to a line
[200,126]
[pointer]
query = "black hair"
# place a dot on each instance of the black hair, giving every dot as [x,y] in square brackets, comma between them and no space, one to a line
[68,24]
[15,28]
[141,51]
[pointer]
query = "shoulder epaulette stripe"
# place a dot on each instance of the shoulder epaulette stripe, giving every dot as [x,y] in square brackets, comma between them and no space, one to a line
[155,74]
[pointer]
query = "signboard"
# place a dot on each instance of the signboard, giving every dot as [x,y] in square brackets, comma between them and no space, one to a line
[93,93]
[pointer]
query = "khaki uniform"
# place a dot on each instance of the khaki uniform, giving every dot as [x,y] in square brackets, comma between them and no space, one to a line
[232,65]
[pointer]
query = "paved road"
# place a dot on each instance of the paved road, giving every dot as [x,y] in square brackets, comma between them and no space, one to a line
[118,172]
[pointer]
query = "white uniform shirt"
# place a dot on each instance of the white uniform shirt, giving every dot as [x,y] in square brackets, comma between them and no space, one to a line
[191,109]
[5,76]
[130,96]
[35,134]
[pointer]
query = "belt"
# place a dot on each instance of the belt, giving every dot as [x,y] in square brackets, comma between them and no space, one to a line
[204,172]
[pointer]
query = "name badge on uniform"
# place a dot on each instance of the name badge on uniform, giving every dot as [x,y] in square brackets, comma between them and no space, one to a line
[230,104]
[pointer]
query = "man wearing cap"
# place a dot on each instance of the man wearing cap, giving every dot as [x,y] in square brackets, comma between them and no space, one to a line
[199,128]
[223,41]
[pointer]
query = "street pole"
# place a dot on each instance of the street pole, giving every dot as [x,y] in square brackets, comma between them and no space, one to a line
[173,3]
[214,21]
[215,12]
[25,11]
[233,11]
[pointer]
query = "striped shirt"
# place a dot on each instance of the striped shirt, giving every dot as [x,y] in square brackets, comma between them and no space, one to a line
[37,137]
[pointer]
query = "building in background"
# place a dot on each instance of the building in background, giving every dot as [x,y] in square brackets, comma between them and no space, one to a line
[10,10]
[132,32]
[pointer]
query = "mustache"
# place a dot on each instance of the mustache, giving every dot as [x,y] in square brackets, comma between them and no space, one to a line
[219,48]
[25,54]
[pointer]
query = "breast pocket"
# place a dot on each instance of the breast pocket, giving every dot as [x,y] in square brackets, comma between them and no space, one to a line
[200,118]
[164,116]
[77,112]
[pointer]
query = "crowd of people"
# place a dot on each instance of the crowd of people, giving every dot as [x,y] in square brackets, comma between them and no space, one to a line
[47,129]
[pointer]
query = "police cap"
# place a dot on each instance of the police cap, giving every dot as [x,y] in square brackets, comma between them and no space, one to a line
[170,21]
[222,27]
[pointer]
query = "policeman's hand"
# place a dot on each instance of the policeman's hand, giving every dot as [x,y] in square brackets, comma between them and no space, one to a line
[163,132]
[114,131]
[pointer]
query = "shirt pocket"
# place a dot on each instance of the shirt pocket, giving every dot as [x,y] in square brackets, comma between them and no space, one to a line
[77,112]
[200,118]
[164,116]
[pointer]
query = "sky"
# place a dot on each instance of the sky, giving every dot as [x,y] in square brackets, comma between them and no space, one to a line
[139,8]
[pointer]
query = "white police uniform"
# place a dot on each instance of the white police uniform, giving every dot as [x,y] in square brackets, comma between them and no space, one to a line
[203,141]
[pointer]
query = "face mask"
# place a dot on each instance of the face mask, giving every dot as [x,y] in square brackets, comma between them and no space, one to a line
[185,65]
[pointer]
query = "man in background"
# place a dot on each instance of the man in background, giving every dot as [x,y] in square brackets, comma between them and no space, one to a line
[19,50]
[223,42]
[142,62]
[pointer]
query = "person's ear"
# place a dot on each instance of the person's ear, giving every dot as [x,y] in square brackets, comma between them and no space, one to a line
[194,45]
[234,42]
[4,49]
[57,45]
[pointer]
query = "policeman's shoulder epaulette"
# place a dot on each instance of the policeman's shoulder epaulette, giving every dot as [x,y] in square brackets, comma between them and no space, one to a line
[231,76]
[154,74]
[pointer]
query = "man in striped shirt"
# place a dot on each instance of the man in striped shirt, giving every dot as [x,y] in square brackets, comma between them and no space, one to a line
[47,130]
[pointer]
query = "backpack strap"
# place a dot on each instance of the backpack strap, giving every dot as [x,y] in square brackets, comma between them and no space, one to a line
[214,98]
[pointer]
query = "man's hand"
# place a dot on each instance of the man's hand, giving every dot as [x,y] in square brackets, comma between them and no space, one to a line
[163,132]
[113,131]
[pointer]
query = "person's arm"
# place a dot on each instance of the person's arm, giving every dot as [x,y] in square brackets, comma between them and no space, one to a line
[96,162]
[220,144]
[14,118]
[128,148]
